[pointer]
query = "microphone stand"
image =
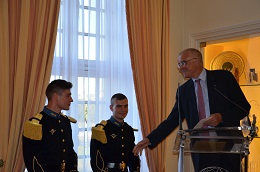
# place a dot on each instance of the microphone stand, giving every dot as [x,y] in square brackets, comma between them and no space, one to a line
[181,135]
[253,133]
[181,152]
[246,146]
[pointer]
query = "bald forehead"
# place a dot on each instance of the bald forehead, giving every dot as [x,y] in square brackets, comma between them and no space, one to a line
[190,53]
[184,56]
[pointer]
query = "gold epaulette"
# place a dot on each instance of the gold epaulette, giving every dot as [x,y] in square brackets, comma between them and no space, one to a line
[73,120]
[98,132]
[33,129]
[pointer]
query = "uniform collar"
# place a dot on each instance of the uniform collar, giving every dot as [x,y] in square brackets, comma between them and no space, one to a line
[50,112]
[115,122]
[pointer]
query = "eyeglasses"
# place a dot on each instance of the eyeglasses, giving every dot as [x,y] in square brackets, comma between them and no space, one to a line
[184,63]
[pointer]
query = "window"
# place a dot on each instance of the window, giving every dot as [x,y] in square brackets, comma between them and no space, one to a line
[92,52]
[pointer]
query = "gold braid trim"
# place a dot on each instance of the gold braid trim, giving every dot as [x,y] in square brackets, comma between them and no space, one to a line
[35,162]
[32,129]
[103,168]
[98,132]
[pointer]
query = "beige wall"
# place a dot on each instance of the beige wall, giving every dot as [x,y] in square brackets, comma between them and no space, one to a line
[189,17]
[204,15]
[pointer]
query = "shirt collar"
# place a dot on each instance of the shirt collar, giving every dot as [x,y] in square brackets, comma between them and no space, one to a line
[50,112]
[202,76]
[115,122]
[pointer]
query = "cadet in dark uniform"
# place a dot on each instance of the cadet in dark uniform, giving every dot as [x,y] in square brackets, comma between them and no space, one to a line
[112,141]
[47,137]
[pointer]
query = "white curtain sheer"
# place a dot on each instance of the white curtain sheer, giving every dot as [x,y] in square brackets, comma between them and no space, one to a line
[92,52]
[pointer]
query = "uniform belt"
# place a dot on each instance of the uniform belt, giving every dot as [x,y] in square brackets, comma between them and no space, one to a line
[120,166]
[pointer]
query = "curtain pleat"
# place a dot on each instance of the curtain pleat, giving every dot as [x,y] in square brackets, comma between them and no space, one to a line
[28,34]
[148,34]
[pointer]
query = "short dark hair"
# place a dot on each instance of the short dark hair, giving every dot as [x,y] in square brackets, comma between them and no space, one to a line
[57,86]
[117,96]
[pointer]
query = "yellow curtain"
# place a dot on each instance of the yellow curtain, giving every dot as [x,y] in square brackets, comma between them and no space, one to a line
[28,33]
[148,33]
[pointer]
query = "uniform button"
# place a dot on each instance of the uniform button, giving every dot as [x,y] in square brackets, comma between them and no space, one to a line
[59,121]
[63,160]
[122,130]
[123,153]
[64,150]
[123,146]
[122,137]
[63,140]
[61,130]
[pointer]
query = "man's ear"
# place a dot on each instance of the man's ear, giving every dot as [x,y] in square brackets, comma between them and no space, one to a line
[55,96]
[111,107]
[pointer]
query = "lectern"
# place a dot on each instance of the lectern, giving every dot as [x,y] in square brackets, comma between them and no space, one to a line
[231,140]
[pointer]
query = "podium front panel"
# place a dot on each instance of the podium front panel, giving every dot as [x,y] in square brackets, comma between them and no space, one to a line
[219,140]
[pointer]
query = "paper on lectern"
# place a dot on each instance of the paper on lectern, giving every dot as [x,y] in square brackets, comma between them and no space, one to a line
[201,122]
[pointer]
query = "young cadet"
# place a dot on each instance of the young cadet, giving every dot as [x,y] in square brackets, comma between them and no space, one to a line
[113,141]
[47,137]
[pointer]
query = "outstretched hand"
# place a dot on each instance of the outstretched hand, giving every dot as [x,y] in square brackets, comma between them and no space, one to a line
[140,146]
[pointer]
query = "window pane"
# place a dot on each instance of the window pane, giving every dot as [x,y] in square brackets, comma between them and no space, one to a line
[58,45]
[89,85]
[93,18]
[102,5]
[91,3]
[102,23]
[60,22]
[101,49]
[91,116]
[82,115]
[81,20]
[53,77]
[80,47]
[89,48]
[86,21]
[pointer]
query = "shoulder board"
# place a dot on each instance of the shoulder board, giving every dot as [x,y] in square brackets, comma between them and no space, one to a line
[33,128]
[73,120]
[135,129]
[103,122]
[98,132]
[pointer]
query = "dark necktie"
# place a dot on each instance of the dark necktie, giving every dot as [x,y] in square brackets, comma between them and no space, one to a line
[201,105]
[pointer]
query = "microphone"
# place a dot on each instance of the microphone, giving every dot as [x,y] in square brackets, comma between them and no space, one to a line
[252,133]
[215,87]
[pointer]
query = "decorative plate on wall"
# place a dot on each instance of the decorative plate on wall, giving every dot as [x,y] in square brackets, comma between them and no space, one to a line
[228,60]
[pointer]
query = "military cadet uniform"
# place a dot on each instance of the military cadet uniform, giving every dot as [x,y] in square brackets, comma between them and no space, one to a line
[111,147]
[47,143]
